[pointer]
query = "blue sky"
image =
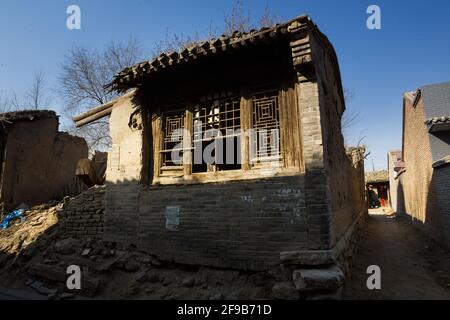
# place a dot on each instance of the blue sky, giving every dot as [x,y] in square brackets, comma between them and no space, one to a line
[377,66]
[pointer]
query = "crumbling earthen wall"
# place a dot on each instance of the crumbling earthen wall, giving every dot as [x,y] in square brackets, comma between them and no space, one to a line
[40,163]
[82,216]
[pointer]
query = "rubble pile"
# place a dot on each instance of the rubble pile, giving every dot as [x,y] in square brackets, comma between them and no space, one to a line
[35,254]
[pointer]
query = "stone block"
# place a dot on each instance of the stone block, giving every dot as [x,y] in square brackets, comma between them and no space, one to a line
[307,280]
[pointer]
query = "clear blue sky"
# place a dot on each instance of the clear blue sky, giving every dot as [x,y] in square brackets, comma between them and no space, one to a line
[411,49]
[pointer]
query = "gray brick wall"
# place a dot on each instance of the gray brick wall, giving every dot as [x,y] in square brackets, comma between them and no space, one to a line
[82,215]
[441,181]
[241,225]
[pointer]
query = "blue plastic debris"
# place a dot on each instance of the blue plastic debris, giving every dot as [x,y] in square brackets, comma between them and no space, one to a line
[11,216]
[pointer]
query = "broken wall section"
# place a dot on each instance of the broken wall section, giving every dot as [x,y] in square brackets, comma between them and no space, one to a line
[83,215]
[40,162]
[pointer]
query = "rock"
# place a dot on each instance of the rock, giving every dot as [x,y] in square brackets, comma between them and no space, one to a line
[49,261]
[86,252]
[217,296]
[108,253]
[153,278]
[66,296]
[131,266]
[188,282]
[52,296]
[307,257]
[334,295]
[23,206]
[285,291]
[57,274]
[307,280]
[40,288]
[66,246]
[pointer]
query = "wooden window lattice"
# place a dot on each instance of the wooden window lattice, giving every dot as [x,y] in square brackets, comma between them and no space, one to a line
[173,137]
[266,123]
[218,117]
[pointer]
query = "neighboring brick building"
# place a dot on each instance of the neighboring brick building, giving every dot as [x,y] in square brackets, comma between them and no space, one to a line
[294,197]
[395,168]
[37,163]
[424,186]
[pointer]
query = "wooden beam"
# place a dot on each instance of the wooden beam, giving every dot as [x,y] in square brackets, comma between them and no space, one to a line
[98,112]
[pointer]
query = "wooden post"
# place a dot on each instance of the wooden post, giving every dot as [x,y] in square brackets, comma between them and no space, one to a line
[246,124]
[187,143]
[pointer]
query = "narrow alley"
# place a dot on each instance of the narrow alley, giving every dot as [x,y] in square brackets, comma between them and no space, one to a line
[412,265]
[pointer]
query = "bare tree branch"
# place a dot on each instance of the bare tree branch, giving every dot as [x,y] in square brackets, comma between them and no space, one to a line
[82,81]
[238,19]
[268,18]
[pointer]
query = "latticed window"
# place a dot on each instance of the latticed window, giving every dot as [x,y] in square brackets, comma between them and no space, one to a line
[213,141]
[216,137]
[266,128]
[172,149]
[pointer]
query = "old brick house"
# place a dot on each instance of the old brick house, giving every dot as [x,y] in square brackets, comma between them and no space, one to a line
[424,185]
[292,197]
[395,169]
[37,163]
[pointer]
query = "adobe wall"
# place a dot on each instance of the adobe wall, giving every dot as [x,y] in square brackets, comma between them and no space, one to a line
[40,163]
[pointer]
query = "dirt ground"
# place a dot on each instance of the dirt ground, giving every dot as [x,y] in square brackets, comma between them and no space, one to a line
[412,265]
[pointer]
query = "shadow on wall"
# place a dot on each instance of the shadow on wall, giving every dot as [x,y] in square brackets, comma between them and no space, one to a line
[438,204]
[437,208]
[38,251]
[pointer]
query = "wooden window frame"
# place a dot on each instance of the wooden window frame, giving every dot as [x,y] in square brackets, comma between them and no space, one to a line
[291,155]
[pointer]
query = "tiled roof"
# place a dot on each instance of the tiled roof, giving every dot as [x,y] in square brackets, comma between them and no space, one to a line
[377,176]
[437,120]
[436,100]
[129,77]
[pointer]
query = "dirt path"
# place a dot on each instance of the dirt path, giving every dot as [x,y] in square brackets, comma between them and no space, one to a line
[412,265]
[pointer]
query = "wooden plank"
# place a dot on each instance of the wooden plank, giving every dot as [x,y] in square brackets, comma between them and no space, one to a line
[187,141]
[157,144]
[246,123]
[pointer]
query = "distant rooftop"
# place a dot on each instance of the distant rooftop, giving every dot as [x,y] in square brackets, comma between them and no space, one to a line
[377,176]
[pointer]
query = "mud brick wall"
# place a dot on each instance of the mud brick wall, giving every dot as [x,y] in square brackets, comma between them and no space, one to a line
[241,225]
[82,216]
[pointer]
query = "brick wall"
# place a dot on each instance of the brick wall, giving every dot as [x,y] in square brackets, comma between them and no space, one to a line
[441,181]
[344,173]
[416,186]
[237,225]
[82,216]
[241,224]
